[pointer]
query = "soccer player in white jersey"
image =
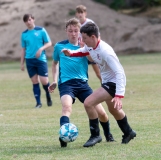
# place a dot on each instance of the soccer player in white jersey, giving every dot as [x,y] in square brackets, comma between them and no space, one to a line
[81,14]
[113,78]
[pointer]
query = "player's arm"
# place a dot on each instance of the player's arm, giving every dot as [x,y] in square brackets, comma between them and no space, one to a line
[45,46]
[47,43]
[116,67]
[23,52]
[81,52]
[22,60]
[55,76]
[95,67]
[96,70]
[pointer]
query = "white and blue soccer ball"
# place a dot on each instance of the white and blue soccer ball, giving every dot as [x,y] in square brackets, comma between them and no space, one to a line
[68,132]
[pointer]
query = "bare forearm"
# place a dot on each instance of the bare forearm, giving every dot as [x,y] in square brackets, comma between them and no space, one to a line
[55,72]
[46,45]
[22,57]
[97,71]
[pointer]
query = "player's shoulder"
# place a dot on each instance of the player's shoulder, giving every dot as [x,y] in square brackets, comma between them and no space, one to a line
[25,31]
[103,43]
[89,20]
[105,47]
[38,28]
[63,42]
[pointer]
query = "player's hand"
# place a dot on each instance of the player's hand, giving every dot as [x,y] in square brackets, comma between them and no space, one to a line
[52,87]
[38,53]
[66,52]
[117,103]
[81,44]
[22,67]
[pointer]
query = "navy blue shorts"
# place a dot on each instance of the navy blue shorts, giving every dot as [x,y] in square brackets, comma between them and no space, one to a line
[76,88]
[35,66]
[110,87]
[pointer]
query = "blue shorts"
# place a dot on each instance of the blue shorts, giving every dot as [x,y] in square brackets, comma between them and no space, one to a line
[35,66]
[75,88]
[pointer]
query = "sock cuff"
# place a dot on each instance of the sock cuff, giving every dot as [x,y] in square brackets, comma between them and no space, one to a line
[63,120]
[36,85]
[104,122]
[47,85]
[94,120]
[123,119]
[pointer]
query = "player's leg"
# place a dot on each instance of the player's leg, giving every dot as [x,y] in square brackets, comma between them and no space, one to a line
[36,90]
[67,99]
[95,137]
[32,72]
[119,115]
[104,121]
[43,75]
[122,122]
[45,83]
[92,101]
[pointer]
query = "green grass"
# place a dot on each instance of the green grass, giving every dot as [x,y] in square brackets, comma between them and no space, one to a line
[32,134]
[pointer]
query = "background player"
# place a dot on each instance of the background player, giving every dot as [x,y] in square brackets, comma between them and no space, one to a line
[34,41]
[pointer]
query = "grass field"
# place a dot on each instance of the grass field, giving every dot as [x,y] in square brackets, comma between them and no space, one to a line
[27,133]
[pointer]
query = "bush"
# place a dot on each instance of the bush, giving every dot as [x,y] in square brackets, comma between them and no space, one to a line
[121,4]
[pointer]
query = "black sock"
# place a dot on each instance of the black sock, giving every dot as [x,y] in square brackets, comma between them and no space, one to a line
[46,90]
[124,126]
[94,127]
[106,127]
[63,120]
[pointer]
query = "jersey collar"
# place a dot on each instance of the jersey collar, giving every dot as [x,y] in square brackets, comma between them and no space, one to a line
[97,44]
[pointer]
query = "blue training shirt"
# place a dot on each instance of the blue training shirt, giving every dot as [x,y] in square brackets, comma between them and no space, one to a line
[70,67]
[33,40]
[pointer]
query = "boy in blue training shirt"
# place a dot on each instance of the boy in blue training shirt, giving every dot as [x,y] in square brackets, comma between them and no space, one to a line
[34,41]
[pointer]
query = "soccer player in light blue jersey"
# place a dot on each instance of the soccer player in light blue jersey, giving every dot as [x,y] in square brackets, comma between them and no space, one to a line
[34,41]
[73,83]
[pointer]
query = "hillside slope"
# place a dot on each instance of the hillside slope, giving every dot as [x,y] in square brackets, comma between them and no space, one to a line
[126,34]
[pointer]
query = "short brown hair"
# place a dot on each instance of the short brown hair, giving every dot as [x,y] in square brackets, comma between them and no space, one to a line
[81,9]
[27,16]
[73,21]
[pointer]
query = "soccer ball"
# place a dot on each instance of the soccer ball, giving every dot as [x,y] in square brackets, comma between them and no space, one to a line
[68,132]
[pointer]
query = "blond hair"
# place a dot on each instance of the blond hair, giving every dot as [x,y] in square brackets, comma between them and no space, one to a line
[81,9]
[73,21]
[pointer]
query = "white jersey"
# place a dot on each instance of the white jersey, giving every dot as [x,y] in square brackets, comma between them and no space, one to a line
[82,24]
[87,20]
[110,68]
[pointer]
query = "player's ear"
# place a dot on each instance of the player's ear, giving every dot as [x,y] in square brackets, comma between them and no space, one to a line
[93,36]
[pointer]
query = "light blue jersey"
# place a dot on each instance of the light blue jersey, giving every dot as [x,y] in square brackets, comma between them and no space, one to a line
[70,67]
[33,40]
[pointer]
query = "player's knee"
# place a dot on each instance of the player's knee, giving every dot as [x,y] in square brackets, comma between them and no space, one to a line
[87,104]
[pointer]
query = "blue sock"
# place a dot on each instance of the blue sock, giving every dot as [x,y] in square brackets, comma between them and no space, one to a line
[46,90]
[63,120]
[37,92]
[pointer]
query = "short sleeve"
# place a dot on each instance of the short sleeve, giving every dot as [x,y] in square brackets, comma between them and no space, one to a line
[22,42]
[56,51]
[45,35]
